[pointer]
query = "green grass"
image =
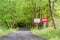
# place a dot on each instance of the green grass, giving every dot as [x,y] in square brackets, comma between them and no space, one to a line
[4,32]
[48,33]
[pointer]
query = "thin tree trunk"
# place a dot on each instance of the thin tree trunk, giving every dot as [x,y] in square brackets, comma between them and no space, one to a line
[33,13]
[51,5]
[39,12]
[47,22]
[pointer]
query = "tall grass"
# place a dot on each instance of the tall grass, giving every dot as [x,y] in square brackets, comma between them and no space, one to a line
[48,33]
[4,31]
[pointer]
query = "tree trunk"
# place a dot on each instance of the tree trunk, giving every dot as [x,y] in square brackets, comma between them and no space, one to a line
[47,24]
[51,5]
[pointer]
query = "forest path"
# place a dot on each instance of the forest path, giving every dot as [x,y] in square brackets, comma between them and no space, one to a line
[21,35]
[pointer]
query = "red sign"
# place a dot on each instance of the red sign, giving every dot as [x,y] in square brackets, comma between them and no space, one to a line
[44,20]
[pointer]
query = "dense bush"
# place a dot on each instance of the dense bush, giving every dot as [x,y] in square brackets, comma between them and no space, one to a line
[15,11]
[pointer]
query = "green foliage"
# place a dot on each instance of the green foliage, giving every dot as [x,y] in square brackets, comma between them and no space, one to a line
[4,31]
[15,11]
[57,8]
[48,33]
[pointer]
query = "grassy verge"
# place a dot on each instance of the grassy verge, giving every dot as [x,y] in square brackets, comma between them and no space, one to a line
[4,32]
[48,33]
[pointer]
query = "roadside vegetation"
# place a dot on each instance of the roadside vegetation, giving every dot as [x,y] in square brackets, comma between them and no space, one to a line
[21,13]
[48,33]
[5,31]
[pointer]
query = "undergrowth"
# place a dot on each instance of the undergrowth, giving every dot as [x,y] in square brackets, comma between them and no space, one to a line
[48,33]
